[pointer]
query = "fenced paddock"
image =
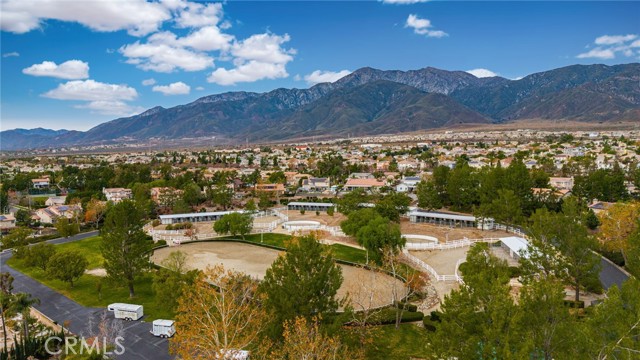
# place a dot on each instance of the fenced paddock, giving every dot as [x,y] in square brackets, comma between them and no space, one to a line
[254,260]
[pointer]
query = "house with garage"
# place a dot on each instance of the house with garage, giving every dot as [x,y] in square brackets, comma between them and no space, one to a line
[370,185]
[117,194]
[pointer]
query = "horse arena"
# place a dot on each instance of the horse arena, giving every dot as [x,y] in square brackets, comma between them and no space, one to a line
[365,288]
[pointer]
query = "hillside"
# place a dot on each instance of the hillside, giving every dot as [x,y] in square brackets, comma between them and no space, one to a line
[371,101]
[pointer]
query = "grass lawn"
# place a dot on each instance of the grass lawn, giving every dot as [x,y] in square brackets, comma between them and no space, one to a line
[85,289]
[89,247]
[407,342]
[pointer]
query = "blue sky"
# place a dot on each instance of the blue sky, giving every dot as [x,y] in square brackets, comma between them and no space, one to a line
[75,64]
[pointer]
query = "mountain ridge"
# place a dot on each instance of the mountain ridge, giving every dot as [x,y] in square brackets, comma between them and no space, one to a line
[399,98]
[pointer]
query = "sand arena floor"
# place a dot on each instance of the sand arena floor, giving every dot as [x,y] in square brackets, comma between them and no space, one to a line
[365,288]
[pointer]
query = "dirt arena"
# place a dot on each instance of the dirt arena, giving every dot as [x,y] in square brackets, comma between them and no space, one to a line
[255,260]
[443,233]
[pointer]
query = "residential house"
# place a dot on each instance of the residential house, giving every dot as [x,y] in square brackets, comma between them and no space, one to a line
[561,183]
[277,189]
[55,200]
[50,214]
[366,184]
[316,184]
[408,184]
[40,183]
[117,194]
[7,222]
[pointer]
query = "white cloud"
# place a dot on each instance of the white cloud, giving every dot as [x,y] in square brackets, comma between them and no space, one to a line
[91,90]
[261,56]
[614,39]
[69,70]
[177,88]
[199,88]
[423,27]
[198,15]
[138,17]
[320,76]
[403,2]
[149,82]
[609,46]
[11,54]
[108,99]
[207,38]
[598,53]
[482,73]
[159,56]
[248,72]
[118,108]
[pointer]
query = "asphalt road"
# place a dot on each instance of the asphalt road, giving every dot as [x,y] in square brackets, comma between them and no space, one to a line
[138,341]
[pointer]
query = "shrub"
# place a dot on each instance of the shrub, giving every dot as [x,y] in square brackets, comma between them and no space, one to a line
[407,307]
[169,227]
[155,222]
[330,211]
[574,304]
[435,316]
[429,324]
[302,211]
[161,242]
[515,271]
[388,316]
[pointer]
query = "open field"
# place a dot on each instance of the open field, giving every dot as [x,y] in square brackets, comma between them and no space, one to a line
[443,261]
[255,261]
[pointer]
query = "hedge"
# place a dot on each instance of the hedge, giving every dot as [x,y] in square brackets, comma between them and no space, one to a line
[388,316]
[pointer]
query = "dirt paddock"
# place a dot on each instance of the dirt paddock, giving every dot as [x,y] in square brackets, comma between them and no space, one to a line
[255,260]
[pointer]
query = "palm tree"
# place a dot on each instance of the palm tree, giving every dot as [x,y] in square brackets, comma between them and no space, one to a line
[6,300]
[22,303]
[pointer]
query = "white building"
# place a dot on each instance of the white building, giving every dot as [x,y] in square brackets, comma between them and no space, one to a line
[117,194]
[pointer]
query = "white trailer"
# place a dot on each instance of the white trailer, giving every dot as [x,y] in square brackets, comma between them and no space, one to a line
[127,312]
[163,328]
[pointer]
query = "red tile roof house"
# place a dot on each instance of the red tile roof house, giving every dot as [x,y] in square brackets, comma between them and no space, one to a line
[366,184]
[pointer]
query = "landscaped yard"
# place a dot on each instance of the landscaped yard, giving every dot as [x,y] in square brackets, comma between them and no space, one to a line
[85,290]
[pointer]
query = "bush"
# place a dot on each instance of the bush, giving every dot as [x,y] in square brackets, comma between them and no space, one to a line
[515,271]
[407,307]
[388,316]
[330,211]
[302,211]
[161,243]
[155,222]
[169,227]
[435,316]
[429,324]
[574,304]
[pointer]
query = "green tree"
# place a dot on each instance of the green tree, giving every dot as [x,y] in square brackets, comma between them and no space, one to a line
[67,266]
[6,297]
[506,208]
[169,285]
[428,196]
[192,194]
[302,282]
[277,177]
[234,224]
[16,238]
[264,200]
[67,228]
[613,331]
[221,195]
[351,201]
[21,304]
[39,255]
[393,205]
[124,244]
[357,220]
[478,321]
[461,186]
[380,237]
[4,200]
[251,206]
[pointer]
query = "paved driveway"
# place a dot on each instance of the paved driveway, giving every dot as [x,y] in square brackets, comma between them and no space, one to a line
[138,342]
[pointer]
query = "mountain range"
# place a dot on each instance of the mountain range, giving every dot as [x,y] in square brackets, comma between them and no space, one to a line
[371,101]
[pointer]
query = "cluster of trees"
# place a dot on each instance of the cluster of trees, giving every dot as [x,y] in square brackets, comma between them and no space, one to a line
[375,228]
[234,224]
[67,266]
[483,319]
[619,233]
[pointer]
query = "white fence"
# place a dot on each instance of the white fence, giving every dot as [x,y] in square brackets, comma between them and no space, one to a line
[426,267]
[447,245]
[421,237]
